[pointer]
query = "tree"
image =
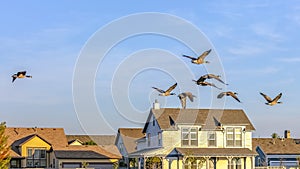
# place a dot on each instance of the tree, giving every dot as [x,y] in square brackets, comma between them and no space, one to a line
[4,148]
[91,142]
[275,135]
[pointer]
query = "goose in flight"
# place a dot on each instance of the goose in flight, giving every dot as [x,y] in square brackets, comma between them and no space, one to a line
[270,101]
[229,93]
[200,59]
[183,96]
[212,76]
[20,75]
[201,82]
[167,92]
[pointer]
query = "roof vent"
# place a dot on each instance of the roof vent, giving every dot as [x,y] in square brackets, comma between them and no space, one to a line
[15,130]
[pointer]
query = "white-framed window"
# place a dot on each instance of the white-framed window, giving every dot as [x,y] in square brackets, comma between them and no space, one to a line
[234,137]
[189,136]
[159,136]
[211,139]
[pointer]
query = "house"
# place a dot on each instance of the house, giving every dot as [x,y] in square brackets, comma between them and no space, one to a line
[196,138]
[126,142]
[277,151]
[48,148]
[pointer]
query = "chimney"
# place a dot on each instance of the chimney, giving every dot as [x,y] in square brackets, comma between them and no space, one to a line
[156,104]
[287,134]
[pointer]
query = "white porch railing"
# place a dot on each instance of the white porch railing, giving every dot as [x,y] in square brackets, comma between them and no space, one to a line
[278,167]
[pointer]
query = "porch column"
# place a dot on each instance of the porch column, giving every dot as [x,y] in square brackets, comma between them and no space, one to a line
[229,162]
[145,159]
[245,165]
[139,163]
[169,162]
[178,162]
[207,162]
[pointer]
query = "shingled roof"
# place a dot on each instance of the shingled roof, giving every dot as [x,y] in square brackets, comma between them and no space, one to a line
[86,152]
[51,135]
[98,139]
[129,137]
[276,145]
[208,118]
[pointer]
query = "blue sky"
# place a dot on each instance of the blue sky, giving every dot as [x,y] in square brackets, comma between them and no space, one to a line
[256,43]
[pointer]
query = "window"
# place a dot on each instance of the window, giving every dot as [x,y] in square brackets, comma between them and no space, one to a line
[211,139]
[159,138]
[234,137]
[148,139]
[36,157]
[189,136]
[153,120]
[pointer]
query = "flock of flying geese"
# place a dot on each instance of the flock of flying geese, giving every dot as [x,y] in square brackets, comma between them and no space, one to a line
[202,82]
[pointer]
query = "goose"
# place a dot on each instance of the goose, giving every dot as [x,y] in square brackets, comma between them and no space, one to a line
[229,93]
[20,75]
[270,101]
[167,92]
[183,96]
[200,59]
[201,82]
[212,76]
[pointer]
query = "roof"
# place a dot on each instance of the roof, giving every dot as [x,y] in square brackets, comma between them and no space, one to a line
[276,145]
[48,134]
[78,154]
[208,118]
[217,152]
[85,152]
[23,140]
[151,152]
[98,139]
[129,137]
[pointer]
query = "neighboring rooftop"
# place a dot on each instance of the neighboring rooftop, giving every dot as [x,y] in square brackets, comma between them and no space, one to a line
[89,152]
[98,139]
[277,145]
[49,134]
[130,136]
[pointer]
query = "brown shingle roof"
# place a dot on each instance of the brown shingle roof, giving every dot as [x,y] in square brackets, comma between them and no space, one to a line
[129,137]
[54,136]
[277,145]
[206,117]
[98,139]
[216,151]
[88,149]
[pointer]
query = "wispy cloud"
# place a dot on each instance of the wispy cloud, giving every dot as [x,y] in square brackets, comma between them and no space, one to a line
[266,31]
[290,60]
[246,50]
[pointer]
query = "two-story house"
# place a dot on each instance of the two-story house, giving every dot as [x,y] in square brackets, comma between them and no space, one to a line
[196,138]
[49,148]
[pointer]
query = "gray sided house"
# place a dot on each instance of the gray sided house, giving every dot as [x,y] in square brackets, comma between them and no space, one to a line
[283,152]
[126,141]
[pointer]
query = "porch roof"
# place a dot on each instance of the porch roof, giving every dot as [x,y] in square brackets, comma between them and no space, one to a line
[215,152]
[151,152]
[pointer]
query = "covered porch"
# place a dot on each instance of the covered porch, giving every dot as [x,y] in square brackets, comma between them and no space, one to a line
[213,158]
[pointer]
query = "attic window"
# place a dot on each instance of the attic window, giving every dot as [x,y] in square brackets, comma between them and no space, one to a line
[153,120]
